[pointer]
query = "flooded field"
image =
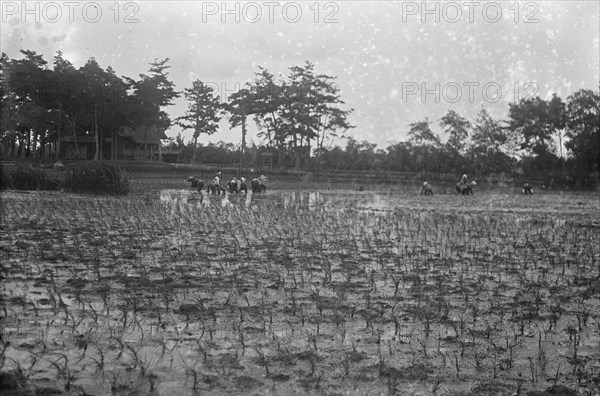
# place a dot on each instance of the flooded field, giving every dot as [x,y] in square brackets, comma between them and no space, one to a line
[300,292]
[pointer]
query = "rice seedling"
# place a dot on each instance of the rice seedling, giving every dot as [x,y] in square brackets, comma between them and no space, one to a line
[134,294]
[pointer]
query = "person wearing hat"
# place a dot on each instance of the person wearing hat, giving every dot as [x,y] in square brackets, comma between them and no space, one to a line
[263,182]
[233,186]
[215,185]
[464,185]
[426,189]
[242,185]
[197,184]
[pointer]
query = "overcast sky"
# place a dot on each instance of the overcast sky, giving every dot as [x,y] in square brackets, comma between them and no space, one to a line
[384,54]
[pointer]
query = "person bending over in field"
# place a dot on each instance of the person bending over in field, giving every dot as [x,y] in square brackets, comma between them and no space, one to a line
[464,186]
[263,182]
[197,184]
[233,186]
[527,189]
[258,186]
[242,186]
[215,185]
[426,189]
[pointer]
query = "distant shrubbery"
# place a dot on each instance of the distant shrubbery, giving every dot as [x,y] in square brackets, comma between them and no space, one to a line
[84,177]
[26,176]
[96,177]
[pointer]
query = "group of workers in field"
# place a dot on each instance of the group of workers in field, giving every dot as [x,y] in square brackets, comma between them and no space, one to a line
[234,186]
[259,184]
[465,187]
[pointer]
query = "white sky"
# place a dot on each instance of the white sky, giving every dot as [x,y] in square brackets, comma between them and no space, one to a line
[380,51]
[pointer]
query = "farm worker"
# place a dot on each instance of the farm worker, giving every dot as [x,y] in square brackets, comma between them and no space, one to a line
[426,189]
[527,189]
[463,185]
[263,180]
[197,184]
[217,183]
[233,186]
[242,186]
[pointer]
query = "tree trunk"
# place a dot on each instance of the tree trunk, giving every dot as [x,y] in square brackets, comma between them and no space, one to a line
[28,149]
[297,165]
[75,139]
[58,133]
[20,150]
[34,144]
[196,134]
[57,147]
[97,152]
[195,148]
[159,151]
[113,144]
[243,138]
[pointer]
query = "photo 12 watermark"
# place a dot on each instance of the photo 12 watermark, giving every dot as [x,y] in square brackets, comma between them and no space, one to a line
[469,91]
[469,11]
[70,11]
[269,11]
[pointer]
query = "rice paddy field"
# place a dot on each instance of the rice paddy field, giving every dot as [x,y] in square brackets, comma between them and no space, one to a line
[320,291]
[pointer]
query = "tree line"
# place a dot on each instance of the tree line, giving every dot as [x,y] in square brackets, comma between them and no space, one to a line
[528,143]
[297,118]
[42,104]
[542,139]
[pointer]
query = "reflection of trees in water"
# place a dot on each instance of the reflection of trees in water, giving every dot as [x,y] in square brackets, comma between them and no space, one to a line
[338,200]
[314,198]
[302,198]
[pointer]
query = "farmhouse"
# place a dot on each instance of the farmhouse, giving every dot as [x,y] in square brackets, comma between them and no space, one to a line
[139,144]
[170,155]
[83,149]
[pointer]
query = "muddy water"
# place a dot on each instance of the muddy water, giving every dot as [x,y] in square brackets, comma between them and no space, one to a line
[311,279]
[584,208]
[311,200]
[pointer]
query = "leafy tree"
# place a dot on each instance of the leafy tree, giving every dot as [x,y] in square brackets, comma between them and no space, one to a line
[315,111]
[25,115]
[240,106]
[150,94]
[457,127]
[203,113]
[267,104]
[537,121]
[97,83]
[70,109]
[361,155]
[91,101]
[488,134]
[294,113]
[420,133]
[489,142]
[399,155]
[583,129]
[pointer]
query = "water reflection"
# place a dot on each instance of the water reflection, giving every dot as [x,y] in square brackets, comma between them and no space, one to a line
[334,201]
[338,201]
[302,198]
[183,197]
[176,196]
